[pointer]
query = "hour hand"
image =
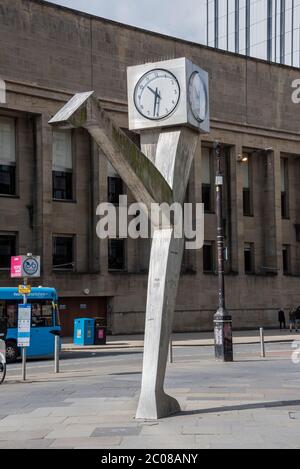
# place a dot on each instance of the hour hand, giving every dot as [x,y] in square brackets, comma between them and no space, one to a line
[152,91]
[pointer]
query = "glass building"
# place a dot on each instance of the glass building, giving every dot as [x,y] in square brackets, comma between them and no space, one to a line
[266,29]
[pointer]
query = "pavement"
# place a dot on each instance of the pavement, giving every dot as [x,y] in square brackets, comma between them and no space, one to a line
[189,339]
[251,403]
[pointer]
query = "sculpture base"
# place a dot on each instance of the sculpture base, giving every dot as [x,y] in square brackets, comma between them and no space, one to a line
[161,406]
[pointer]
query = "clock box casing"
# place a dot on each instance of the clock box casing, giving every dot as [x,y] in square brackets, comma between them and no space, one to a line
[184,112]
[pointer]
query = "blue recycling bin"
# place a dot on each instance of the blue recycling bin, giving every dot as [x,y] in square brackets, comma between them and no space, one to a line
[84,330]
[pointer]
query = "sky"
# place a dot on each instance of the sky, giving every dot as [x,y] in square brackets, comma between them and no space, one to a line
[179,18]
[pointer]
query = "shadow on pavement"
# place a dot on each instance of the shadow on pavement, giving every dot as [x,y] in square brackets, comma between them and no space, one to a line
[258,405]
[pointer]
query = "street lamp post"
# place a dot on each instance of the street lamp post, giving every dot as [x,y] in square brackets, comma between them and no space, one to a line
[222,319]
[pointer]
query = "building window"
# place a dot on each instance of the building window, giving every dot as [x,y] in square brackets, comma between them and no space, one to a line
[208,257]
[115,189]
[8,248]
[63,252]
[247,192]
[284,188]
[116,254]
[297,229]
[249,258]
[114,185]
[286,259]
[7,156]
[62,170]
[207,180]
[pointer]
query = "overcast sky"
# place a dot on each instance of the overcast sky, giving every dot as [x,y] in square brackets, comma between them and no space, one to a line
[179,18]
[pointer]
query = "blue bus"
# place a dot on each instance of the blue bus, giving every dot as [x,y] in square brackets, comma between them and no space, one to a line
[44,321]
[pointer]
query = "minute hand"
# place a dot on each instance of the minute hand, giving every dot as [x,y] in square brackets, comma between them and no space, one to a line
[156,97]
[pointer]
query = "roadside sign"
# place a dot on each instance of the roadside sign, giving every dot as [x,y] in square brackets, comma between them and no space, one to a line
[24,324]
[31,266]
[25,266]
[16,267]
[24,289]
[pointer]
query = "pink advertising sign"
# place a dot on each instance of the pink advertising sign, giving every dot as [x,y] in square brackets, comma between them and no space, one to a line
[16,267]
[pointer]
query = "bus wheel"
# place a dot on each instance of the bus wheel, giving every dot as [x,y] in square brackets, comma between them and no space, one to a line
[11,352]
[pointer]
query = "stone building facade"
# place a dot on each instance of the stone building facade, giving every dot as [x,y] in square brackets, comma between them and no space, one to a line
[51,184]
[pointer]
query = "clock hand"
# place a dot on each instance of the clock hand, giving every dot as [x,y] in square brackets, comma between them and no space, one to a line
[155,101]
[158,103]
[152,91]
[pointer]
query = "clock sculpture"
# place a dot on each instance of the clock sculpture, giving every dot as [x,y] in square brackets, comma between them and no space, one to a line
[168,104]
[169,93]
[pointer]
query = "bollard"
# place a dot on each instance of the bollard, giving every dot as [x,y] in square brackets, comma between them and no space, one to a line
[56,353]
[24,363]
[262,343]
[171,351]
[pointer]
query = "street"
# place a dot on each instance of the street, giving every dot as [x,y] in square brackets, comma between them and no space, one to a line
[92,402]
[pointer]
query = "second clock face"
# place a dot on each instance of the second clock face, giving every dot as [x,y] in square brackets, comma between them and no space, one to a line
[157,94]
[198,97]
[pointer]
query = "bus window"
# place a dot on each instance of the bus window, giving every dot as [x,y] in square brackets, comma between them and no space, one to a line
[2,309]
[41,314]
[12,313]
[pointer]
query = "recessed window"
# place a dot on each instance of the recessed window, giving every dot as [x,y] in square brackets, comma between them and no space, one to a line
[7,156]
[62,170]
[284,188]
[207,180]
[115,186]
[247,192]
[286,264]
[249,258]
[297,229]
[63,252]
[8,248]
[144,254]
[116,254]
[208,257]
[115,189]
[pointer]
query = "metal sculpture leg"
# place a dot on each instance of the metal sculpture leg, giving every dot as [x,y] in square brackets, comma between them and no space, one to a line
[165,266]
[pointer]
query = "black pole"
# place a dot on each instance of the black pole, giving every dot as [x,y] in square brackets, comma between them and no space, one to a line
[222,319]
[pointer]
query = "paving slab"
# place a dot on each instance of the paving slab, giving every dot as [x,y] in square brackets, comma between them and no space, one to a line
[71,431]
[86,443]
[25,444]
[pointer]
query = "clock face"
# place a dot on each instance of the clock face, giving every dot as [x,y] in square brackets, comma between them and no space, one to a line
[198,97]
[157,94]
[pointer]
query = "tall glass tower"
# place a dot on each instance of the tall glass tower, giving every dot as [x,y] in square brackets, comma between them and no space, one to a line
[266,29]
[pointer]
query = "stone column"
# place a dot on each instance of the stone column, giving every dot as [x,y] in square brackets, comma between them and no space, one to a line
[198,199]
[271,211]
[94,242]
[275,174]
[237,216]
[43,195]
